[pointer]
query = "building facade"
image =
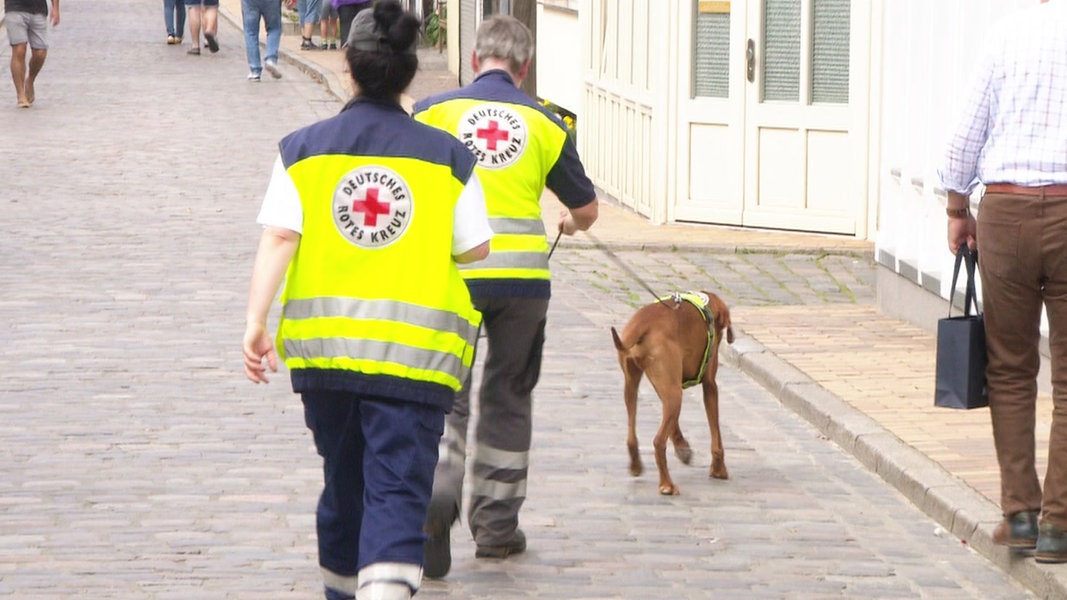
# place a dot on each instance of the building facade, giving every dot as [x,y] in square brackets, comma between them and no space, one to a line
[824,116]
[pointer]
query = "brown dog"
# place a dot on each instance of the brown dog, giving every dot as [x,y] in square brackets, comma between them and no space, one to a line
[668,341]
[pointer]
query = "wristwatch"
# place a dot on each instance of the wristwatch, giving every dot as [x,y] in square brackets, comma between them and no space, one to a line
[957,213]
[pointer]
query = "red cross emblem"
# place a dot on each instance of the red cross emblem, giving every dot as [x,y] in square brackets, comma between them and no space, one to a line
[371,208]
[492,135]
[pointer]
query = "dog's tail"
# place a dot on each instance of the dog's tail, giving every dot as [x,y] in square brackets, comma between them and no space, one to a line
[617,340]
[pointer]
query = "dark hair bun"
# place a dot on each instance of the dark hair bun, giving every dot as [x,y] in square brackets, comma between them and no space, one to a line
[401,28]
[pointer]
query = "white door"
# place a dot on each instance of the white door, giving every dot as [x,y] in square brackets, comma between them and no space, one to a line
[765,116]
[711,112]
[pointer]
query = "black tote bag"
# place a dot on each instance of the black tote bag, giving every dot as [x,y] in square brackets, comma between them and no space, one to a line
[961,349]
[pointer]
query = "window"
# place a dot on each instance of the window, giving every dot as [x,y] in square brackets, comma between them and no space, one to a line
[781,50]
[711,50]
[830,51]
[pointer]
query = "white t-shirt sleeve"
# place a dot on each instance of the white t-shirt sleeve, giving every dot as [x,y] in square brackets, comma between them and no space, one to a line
[471,219]
[281,204]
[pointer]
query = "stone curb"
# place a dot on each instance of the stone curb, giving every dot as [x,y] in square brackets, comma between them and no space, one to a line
[956,506]
[580,245]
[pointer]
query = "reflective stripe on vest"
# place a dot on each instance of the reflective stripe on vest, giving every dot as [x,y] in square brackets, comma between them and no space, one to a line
[518,250]
[379,337]
[373,358]
[411,314]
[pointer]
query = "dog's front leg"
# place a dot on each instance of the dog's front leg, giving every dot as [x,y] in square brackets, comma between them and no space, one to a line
[672,409]
[711,407]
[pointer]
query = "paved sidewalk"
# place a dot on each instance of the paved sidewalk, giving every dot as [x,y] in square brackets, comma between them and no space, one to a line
[864,379]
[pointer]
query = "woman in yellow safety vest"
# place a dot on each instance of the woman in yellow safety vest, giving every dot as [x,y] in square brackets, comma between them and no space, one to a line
[366,216]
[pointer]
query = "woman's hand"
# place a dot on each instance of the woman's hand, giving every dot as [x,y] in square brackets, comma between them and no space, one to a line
[257,346]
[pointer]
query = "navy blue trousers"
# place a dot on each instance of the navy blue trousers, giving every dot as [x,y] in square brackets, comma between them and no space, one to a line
[378,456]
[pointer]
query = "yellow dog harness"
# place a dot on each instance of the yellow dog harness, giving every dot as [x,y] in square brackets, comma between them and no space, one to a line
[700,301]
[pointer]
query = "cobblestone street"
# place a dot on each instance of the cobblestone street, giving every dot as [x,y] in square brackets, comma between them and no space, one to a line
[136,462]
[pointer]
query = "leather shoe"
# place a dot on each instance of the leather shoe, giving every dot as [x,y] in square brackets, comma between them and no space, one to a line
[517,545]
[437,551]
[1051,545]
[1017,531]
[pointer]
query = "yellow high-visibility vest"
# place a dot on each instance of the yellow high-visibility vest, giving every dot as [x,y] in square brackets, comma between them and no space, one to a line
[516,146]
[373,295]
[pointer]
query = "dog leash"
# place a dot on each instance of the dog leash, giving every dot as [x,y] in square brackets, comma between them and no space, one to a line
[555,243]
[625,267]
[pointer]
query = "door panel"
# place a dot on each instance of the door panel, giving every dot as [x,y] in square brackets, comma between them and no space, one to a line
[710,170]
[713,163]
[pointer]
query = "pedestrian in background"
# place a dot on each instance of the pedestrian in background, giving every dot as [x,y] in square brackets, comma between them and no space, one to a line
[270,12]
[27,25]
[521,149]
[309,17]
[1012,137]
[347,11]
[174,19]
[203,17]
[328,25]
[366,215]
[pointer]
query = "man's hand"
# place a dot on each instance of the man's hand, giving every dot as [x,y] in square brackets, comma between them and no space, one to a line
[55,14]
[962,230]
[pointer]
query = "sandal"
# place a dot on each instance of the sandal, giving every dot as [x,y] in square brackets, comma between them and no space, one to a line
[194,51]
[212,43]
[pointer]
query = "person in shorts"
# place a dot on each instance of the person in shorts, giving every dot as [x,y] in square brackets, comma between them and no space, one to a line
[203,16]
[27,25]
[309,17]
[328,23]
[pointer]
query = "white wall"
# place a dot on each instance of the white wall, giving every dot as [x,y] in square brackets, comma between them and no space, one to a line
[928,56]
[559,63]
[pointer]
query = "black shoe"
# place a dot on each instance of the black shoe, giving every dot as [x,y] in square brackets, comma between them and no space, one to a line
[307,44]
[1017,531]
[212,43]
[437,550]
[333,46]
[1051,545]
[517,545]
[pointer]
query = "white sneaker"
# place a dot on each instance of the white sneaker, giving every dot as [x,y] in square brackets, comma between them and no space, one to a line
[272,68]
[253,77]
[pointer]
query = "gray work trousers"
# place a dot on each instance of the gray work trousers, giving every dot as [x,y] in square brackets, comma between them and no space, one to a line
[514,329]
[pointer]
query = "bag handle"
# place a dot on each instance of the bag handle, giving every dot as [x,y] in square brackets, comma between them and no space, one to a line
[964,255]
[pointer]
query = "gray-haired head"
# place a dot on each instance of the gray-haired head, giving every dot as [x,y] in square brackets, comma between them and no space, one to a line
[504,37]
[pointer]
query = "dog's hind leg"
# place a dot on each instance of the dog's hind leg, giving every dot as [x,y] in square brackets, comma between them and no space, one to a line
[681,445]
[671,397]
[711,407]
[632,375]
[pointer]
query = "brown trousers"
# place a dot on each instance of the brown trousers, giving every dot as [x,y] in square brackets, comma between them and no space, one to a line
[1022,246]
